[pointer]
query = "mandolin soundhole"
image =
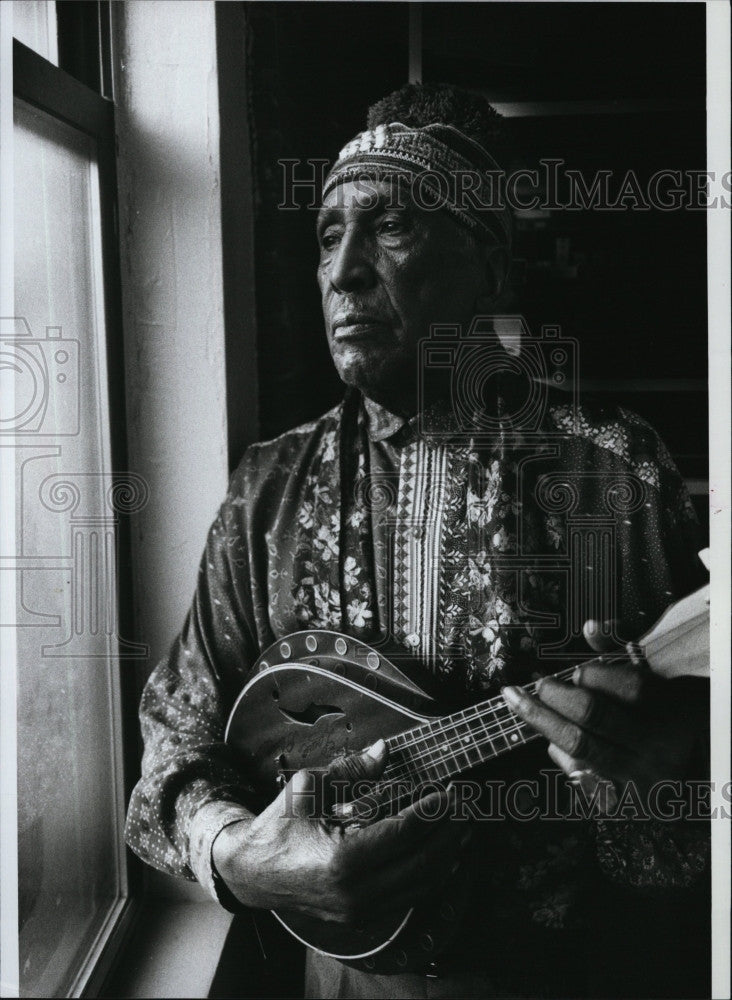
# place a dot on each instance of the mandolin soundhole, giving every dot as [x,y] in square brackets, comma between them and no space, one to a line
[310,715]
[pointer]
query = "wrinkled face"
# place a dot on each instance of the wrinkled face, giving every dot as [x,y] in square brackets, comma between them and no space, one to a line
[388,271]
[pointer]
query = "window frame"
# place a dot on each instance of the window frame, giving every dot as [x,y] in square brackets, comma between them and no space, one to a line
[39,83]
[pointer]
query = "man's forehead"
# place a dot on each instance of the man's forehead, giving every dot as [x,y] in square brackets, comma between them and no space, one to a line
[366,194]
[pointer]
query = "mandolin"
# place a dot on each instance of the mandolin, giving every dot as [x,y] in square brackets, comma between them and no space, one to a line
[317,694]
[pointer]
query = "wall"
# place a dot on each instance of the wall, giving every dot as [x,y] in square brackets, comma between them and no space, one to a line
[170,227]
[170,224]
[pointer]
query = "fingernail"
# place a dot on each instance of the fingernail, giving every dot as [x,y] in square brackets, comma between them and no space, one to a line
[376,750]
[511,695]
[635,653]
[577,675]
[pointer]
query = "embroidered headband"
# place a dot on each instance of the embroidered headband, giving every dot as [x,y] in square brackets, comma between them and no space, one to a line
[445,169]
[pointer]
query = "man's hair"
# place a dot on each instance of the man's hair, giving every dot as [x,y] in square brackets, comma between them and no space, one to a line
[420,104]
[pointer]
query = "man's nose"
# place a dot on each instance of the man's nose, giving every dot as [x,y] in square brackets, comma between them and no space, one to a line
[351,267]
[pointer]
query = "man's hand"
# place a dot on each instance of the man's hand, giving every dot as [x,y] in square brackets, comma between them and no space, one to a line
[289,859]
[618,720]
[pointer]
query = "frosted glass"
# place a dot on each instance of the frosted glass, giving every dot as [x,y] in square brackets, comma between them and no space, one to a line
[34,24]
[69,808]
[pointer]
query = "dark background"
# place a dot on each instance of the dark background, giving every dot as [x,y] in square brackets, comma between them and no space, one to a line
[601,86]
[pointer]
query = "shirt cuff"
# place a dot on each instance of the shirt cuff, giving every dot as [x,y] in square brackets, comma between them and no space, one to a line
[206,825]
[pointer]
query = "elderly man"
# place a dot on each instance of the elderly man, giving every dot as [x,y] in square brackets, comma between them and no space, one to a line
[471,565]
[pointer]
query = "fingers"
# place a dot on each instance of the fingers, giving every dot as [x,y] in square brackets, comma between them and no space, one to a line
[566,762]
[590,710]
[350,776]
[393,863]
[598,792]
[408,880]
[365,801]
[430,807]
[301,797]
[359,766]
[430,860]
[568,735]
[596,789]
[604,636]
[395,837]
[625,682]
[559,730]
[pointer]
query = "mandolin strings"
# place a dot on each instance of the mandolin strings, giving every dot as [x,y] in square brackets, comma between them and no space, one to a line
[506,724]
[421,733]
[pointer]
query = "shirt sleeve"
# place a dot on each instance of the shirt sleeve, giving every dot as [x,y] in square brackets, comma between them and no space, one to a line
[652,852]
[191,786]
[646,854]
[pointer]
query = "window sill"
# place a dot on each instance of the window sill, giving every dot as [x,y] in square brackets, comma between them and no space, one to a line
[173,951]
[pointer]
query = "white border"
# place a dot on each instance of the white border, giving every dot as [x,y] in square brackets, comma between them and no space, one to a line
[718,284]
[9,961]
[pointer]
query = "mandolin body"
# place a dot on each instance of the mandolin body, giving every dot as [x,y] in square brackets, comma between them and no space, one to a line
[295,716]
[298,715]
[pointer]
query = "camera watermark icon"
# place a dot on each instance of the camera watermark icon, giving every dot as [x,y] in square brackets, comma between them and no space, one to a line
[492,389]
[45,373]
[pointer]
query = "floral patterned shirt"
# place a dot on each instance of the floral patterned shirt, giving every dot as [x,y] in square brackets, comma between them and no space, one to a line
[481,555]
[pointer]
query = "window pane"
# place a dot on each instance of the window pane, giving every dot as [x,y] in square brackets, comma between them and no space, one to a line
[34,24]
[69,799]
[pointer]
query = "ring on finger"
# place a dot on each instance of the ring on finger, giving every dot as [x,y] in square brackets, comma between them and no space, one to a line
[594,787]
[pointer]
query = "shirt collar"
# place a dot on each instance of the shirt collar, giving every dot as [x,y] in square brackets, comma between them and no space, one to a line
[381,423]
[436,422]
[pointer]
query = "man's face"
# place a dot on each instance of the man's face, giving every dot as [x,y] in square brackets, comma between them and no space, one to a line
[388,271]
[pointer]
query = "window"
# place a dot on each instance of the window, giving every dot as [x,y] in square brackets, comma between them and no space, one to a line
[62,351]
[35,25]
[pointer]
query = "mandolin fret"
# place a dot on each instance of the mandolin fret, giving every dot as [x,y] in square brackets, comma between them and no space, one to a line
[439,750]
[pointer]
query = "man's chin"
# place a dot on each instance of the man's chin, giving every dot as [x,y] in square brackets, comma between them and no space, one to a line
[378,378]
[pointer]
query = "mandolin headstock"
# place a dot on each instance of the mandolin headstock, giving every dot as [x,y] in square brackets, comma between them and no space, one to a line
[678,644]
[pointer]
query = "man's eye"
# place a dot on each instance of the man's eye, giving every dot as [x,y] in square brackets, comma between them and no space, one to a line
[392,226]
[330,239]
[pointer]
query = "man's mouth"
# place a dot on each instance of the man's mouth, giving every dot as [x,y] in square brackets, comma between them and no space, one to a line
[353,326]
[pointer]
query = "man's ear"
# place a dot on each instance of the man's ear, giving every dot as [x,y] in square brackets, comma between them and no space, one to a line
[496,265]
